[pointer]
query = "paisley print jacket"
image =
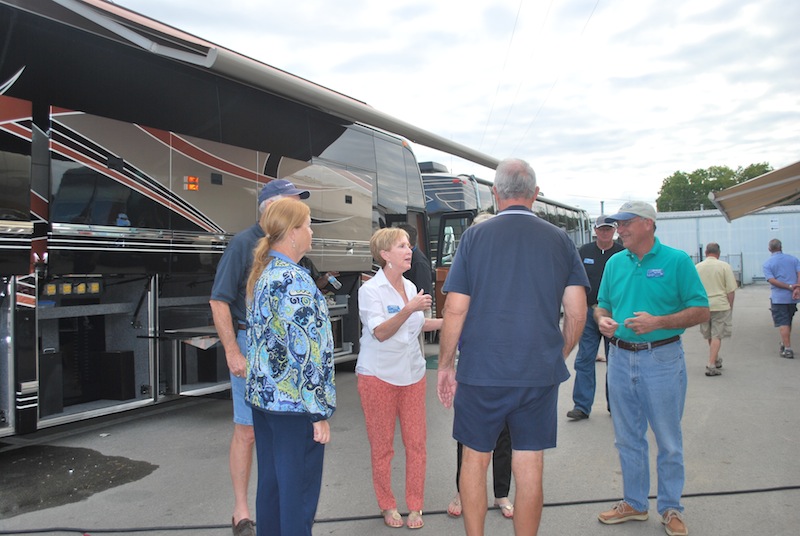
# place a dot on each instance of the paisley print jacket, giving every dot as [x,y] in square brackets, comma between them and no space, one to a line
[289,344]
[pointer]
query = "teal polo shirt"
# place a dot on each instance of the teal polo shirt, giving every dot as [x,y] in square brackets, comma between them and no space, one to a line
[664,282]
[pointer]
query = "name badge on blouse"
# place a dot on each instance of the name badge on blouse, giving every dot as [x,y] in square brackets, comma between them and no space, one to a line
[655,272]
[393,309]
[588,261]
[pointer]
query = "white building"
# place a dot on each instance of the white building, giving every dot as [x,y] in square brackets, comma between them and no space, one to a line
[743,242]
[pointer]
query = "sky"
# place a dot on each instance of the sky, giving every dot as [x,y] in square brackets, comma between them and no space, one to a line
[604,98]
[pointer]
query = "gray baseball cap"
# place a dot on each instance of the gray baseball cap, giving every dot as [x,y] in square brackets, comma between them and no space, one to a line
[601,222]
[631,209]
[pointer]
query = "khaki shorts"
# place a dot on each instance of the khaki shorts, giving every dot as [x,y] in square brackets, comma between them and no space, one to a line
[718,326]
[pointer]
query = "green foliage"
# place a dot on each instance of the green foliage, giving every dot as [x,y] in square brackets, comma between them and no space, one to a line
[689,191]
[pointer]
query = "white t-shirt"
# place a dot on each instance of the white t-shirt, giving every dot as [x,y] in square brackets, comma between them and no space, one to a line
[397,360]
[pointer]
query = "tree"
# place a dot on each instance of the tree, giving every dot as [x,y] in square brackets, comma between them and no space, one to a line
[689,191]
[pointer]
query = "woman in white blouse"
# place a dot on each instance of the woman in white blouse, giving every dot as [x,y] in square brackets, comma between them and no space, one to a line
[391,372]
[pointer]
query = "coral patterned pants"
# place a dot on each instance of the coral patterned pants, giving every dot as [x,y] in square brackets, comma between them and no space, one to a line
[383,403]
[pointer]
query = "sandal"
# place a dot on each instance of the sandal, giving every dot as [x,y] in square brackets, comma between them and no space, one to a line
[415,519]
[505,506]
[454,508]
[392,518]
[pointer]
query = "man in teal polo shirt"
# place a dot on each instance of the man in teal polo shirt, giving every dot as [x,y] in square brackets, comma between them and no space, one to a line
[649,295]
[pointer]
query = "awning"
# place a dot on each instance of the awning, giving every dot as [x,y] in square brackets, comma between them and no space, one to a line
[778,187]
[122,25]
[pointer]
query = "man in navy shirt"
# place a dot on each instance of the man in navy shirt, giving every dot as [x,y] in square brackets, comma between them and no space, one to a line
[509,279]
[420,272]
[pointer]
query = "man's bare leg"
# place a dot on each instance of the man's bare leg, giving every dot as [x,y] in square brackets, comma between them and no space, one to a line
[241,461]
[474,466]
[786,335]
[527,467]
[713,351]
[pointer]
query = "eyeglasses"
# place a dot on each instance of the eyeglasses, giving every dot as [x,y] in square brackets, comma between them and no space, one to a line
[625,223]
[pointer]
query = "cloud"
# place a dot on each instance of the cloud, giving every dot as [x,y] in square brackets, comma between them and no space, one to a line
[605,99]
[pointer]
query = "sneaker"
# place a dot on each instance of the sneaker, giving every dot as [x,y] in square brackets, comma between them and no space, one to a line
[718,362]
[713,371]
[783,349]
[620,513]
[788,353]
[577,415]
[673,523]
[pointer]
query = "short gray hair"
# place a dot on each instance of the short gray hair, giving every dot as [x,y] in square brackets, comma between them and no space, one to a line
[515,179]
[267,202]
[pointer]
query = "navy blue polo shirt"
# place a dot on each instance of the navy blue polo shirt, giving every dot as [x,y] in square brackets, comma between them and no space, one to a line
[230,282]
[514,267]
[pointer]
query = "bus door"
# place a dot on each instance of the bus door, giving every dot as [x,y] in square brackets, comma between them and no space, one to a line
[450,228]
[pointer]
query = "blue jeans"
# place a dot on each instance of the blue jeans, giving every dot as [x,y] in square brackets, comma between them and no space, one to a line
[649,386]
[242,413]
[585,381]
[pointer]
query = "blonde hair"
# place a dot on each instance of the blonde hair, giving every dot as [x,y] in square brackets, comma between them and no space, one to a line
[280,217]
[383,240]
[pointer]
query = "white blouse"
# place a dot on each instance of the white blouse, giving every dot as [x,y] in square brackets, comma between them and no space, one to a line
[397,360]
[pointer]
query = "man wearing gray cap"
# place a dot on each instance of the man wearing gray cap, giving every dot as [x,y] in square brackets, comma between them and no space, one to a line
[594,256]
[229,309]
[648,296]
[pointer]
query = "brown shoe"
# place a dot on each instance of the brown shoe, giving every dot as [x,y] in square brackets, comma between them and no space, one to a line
[620,513]
[673,523]
[245,527]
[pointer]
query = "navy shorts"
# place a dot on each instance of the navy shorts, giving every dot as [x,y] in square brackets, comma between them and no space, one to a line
[782,314]
[482,412]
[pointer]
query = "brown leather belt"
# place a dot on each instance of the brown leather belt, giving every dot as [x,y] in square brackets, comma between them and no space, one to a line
[639,346]
[241,326]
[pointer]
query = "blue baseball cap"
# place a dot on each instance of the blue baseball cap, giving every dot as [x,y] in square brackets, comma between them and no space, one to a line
[280,187]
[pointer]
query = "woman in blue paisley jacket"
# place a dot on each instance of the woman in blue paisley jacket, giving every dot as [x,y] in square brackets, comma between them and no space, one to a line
[290,374]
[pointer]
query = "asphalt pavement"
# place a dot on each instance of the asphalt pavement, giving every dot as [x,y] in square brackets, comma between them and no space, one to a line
[164,470]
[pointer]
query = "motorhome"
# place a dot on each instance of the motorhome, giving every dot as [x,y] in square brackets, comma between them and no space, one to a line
[454,200]
[130,153]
